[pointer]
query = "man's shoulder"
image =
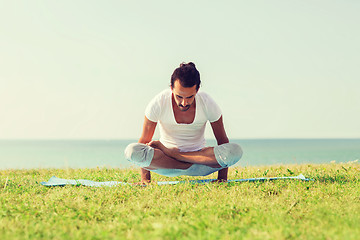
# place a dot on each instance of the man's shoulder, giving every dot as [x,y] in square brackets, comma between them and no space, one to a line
[210,107]
[157,105]
[203,94]
[161,97]
[205,97]
[164,93]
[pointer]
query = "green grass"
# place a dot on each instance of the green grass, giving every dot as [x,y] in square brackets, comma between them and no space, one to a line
[327,208]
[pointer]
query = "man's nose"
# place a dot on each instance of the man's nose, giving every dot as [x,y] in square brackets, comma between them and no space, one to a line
[184,102]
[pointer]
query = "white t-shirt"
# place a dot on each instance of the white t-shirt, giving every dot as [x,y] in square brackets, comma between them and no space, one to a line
[186,137]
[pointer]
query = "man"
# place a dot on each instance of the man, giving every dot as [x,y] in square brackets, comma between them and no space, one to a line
[182,113]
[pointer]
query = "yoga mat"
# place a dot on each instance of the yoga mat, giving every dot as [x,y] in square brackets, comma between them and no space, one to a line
[54,181]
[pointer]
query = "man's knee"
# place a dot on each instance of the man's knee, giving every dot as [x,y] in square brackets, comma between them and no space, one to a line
[228,154]
[139,154]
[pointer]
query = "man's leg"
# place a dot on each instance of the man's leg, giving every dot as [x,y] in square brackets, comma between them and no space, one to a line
[150,158]
[156,161]
[160,157]
[221,156]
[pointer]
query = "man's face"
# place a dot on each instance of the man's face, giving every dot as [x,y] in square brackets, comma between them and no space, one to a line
[183,96]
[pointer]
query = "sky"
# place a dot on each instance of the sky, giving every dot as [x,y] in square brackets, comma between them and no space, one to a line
[87,69]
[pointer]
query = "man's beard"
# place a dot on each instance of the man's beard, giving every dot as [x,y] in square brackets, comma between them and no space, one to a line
[182,108]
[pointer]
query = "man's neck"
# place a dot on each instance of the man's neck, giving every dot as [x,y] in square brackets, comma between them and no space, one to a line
[184,117]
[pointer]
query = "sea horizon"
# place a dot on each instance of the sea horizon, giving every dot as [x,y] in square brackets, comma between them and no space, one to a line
[135,139]
[109,153]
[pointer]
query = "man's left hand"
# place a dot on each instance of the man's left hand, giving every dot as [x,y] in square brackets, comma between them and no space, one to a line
[219,181]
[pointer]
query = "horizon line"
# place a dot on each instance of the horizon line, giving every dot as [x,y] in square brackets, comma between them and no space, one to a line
[135,139]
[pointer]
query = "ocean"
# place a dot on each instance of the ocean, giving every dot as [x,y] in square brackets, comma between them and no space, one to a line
[28,154]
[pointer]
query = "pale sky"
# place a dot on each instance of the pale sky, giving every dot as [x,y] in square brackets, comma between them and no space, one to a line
[87,69]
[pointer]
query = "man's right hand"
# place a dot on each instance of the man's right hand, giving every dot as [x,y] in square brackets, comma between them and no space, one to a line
[145,176]
[142,183]
[146,136]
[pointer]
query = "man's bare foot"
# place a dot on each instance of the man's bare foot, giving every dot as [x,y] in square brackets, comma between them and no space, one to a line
[156,144]
[170,152]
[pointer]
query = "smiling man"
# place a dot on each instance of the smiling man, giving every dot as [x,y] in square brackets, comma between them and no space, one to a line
[182,113]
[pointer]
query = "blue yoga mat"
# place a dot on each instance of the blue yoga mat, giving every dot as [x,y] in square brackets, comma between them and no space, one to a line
[54,181]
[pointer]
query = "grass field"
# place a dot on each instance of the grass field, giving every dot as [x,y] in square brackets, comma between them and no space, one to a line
[327,208]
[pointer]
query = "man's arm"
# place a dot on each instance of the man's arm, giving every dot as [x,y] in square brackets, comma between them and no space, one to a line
[221,138]
[146,136]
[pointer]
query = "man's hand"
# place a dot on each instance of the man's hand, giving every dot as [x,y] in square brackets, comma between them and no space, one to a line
[143,184]
[219,181]
[146,136]
[145,176]
[222,175]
